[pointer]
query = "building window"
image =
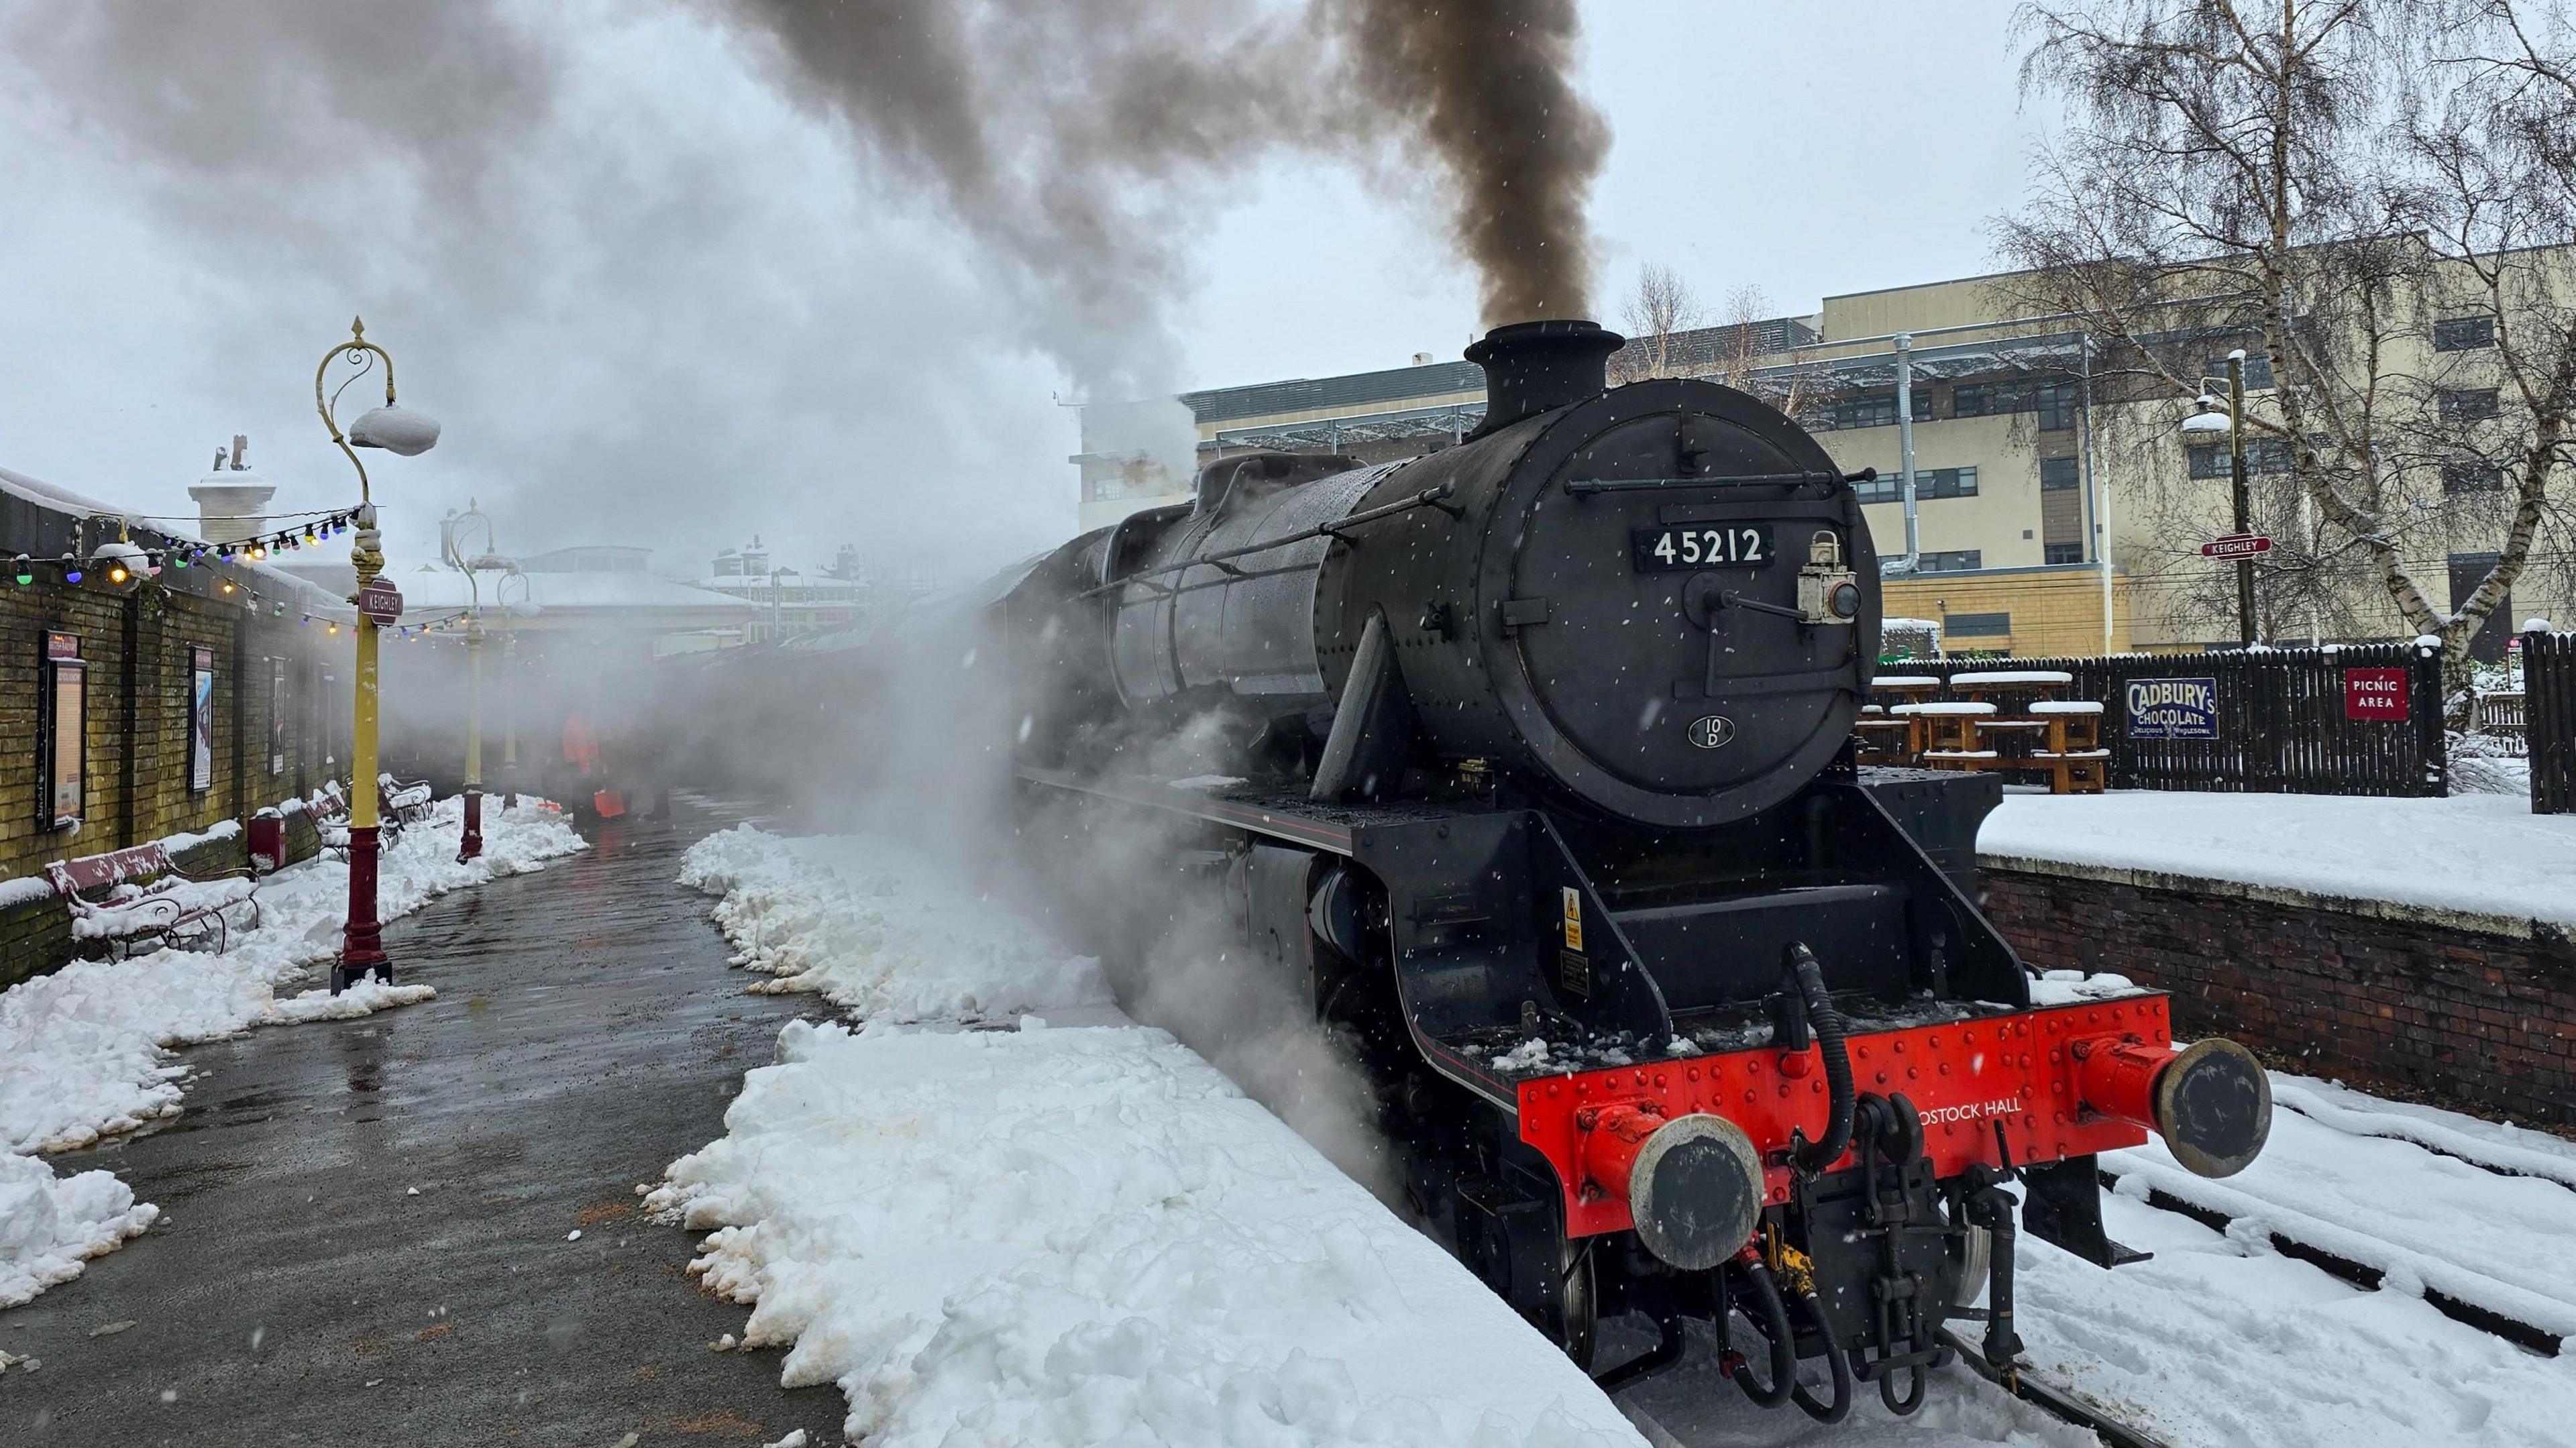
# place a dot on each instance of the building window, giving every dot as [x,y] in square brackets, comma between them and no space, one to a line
[2065,552]
[2056,475]
[2262,455]
[1978,625]
[2467,404]
[2472,476]
[1956,560]
[61,730]
[2258,370]
[1989,399]
[2463,334]
[1869,409]
[2056,403]
[1928,483]
[201,720]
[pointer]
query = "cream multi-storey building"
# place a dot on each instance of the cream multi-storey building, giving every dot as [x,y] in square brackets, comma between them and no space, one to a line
[2058,510]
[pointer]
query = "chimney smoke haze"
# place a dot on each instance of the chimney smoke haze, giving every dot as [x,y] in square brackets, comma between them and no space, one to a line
[498,183]
[1073,135]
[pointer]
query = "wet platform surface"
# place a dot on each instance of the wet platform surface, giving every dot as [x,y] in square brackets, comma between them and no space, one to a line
[586,1032]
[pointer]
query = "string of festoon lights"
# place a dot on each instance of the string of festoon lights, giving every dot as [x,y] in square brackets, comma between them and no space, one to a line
[115,564]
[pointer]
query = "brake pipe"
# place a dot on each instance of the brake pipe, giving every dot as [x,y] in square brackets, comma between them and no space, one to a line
[1811,1157]
[1772,1316]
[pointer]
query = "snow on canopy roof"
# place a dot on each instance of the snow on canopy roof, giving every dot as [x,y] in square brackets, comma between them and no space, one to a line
[268,582]
[60,499]
[1905,681]
[1912,625]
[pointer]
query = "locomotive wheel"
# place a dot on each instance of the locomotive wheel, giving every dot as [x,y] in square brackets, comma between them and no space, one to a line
[1582,1308]
[1975,1264]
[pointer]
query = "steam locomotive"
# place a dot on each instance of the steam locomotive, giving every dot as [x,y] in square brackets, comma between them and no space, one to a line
[1534,771]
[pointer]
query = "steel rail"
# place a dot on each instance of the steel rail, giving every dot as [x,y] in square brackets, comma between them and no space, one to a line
[2053,1399]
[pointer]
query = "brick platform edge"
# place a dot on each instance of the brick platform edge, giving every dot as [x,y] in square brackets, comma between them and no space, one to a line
[2476,1012]
[36,935]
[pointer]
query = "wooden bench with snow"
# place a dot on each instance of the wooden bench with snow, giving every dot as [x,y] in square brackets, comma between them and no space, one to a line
[140,894]
[404,801]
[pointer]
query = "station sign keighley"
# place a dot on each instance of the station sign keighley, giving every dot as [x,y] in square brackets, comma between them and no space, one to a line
[2236,545]
[381,602]
[2172,708]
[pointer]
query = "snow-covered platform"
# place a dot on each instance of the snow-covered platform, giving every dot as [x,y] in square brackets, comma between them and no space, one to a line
[2484,856]
[1028,1232]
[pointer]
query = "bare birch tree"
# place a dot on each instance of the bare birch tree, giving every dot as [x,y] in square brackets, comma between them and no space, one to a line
[1656,315]
[2374,195]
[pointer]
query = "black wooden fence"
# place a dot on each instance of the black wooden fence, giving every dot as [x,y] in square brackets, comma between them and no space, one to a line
[2360,719]
[2549,719]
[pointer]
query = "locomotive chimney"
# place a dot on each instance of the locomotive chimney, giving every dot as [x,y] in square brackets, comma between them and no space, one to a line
[1531,367]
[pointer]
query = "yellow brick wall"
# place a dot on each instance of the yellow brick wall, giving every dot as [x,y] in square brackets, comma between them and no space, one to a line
[2054,610]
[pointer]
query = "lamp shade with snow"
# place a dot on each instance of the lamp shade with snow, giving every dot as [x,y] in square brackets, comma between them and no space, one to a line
[2212,418]
[397,430]
[120,565]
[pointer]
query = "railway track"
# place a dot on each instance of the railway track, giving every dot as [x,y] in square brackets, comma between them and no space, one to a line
[2054,1398]
[2439,1236]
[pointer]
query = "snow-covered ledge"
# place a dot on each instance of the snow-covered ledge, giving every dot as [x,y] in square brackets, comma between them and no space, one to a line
[2480,864]
[2435,916]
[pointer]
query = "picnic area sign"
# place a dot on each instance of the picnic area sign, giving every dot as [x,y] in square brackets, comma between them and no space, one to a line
[2172,708]
[2379,695]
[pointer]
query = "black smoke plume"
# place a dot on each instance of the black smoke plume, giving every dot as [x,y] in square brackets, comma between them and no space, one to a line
[1081,138]
[1489,85]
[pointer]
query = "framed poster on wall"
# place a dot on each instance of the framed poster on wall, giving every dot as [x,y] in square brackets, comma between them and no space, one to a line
[277,716]
[201,720]
[63,730]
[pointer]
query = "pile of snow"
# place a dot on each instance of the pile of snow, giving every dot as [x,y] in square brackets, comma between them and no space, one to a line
[85,1051]
[1053,1236]
[2074,987]
[2482,854]
[50,1225]
[872,925]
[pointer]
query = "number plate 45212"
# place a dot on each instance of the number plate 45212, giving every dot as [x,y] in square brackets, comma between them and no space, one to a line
[1702,545]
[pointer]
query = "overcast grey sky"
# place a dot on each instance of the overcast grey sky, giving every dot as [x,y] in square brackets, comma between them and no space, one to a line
[654,302]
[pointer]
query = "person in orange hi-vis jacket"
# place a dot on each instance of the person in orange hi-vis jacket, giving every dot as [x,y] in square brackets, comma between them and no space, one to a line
[581,744]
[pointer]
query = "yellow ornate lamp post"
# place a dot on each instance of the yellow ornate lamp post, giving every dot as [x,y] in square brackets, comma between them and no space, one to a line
[451,545]
[510,682]
[406,433]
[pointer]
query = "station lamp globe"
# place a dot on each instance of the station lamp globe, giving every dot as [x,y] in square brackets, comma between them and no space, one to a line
[2211,420]
[398,430]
